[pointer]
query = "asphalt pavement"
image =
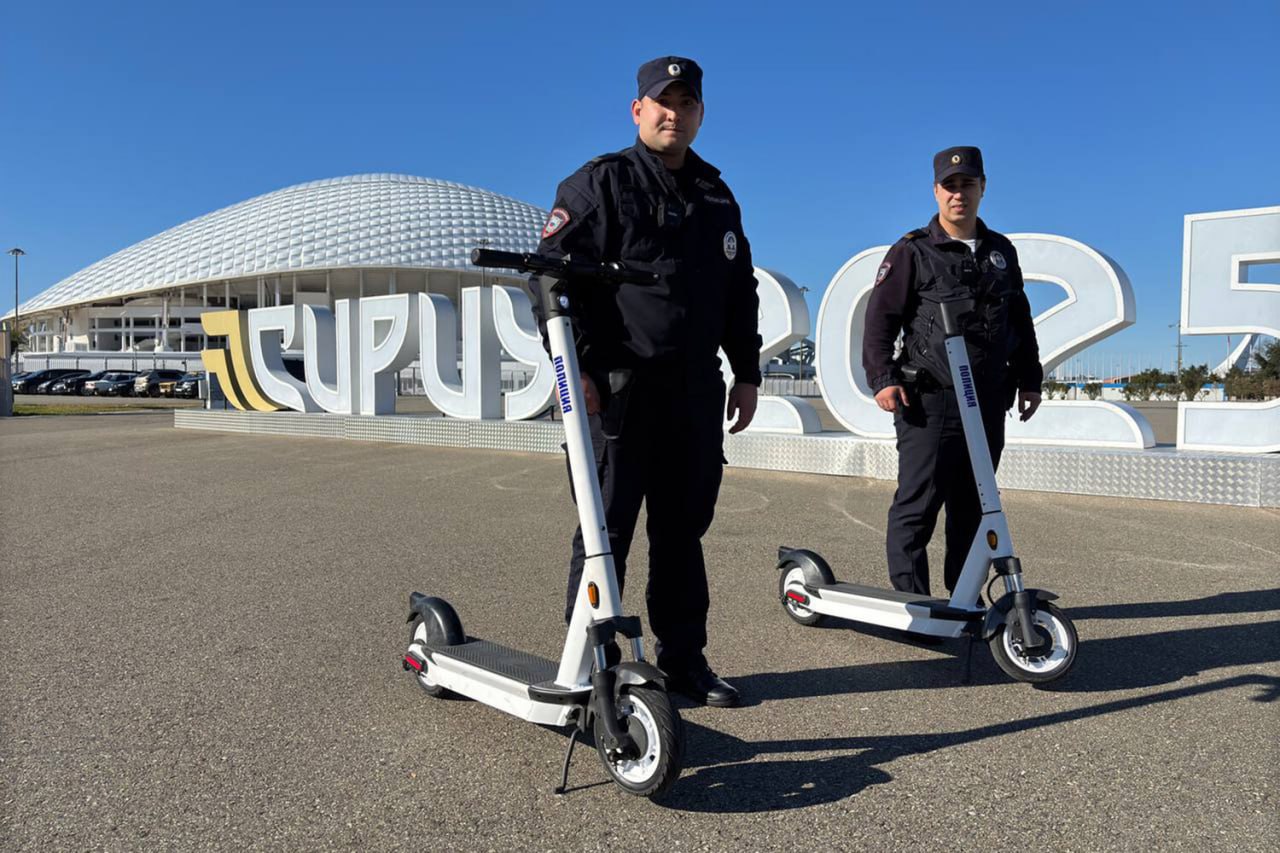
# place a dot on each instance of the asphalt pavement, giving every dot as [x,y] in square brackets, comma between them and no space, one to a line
[202,632]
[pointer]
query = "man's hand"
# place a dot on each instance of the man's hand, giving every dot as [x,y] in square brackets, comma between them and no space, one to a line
[1028,402]
[888,398]
[590,395]
[742,402]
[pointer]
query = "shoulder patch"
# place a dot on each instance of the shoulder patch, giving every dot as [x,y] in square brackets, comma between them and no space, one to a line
[558,219]
[883,272]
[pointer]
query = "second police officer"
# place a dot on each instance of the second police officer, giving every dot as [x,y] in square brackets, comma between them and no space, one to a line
[956,256]
[648,353]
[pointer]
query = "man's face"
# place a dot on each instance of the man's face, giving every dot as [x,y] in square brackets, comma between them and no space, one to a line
[668,123]
[958,197]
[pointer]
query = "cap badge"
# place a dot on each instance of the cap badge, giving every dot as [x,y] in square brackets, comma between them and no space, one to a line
[730,245]
[674,70]
[955,159]
[998,261]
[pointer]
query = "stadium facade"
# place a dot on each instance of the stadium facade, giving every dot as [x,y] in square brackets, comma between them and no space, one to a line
[314,243]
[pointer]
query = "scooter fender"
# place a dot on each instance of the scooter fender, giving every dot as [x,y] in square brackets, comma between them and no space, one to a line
[639,673]
[998,614]
[443,624]
[816,570]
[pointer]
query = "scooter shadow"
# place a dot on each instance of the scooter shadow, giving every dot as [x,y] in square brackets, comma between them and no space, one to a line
[735,783]
[1111,663]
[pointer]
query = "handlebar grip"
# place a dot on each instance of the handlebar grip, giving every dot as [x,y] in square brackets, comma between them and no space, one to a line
[496,258]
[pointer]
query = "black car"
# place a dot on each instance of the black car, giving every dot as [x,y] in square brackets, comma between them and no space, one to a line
[28,383]
[75,384]
[189,385]
[147,384]
[47,386]
[117,383]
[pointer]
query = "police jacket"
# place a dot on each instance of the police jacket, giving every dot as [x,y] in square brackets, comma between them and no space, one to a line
[684,225]
[926,267]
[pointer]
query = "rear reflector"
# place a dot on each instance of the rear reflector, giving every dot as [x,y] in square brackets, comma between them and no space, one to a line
[411,661]
[797,597]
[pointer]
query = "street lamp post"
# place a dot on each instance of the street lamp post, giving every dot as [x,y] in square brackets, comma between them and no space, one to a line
[17,253]
[1178,373]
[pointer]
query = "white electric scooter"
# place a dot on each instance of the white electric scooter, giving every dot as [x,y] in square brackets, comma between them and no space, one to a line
[809,591]
[637,732]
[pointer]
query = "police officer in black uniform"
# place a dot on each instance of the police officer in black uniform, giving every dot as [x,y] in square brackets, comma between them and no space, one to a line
[648,353]
[956,256]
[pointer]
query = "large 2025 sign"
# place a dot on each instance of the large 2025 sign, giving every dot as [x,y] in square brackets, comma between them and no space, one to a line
[353,352]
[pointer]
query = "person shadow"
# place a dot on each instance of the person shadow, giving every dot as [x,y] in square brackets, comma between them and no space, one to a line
[722,776]
[724,773]
[1224,603]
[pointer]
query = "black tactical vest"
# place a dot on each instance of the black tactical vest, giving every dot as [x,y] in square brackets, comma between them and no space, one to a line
[949,272]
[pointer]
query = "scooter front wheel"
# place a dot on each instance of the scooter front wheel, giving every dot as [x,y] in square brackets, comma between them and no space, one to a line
[655,727]
[1047,663]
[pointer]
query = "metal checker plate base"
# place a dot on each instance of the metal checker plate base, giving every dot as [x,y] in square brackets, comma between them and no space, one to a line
[1158,474]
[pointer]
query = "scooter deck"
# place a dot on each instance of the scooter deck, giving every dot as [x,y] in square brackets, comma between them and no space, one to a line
[939,608]
[881,593]
[500,660]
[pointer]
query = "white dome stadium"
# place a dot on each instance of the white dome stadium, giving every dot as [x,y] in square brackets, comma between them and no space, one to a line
[356,221]
[319,241]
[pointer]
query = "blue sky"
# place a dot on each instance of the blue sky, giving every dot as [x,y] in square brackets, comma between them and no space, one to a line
[1104,122]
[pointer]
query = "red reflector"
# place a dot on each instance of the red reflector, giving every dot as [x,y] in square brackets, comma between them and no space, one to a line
[413,662]
[795,596]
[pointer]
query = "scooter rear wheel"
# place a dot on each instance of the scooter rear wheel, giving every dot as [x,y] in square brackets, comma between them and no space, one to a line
[656,728]
[791,580]
[420,632]
[1053,663]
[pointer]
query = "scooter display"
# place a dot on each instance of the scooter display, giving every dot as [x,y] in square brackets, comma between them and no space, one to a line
[637,732]
[1030,638]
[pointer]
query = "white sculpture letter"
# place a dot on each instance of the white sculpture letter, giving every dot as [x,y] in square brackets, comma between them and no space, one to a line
[329,356]
[1217,299]
[476,394]
[269,329]
[388,339]
[518,334]
[784,319]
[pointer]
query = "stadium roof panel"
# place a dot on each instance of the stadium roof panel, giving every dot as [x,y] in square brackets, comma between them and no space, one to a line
[377,220]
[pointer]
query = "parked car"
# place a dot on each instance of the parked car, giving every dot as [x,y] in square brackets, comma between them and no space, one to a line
[117,383]
[47,386]
[189,385]
[28,383]
[147,383]
[74,384]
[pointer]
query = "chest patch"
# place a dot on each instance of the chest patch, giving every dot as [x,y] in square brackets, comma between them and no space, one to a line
[716,199]
[558,219]
[730,245]
[998,261]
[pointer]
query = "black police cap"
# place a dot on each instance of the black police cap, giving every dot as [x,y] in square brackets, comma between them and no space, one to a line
[657,74]
[961,160]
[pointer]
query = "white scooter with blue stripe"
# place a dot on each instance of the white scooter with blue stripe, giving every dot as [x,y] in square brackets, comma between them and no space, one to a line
[1031,638]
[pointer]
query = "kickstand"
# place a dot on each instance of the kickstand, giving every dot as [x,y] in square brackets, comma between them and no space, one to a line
[568,756]
[968,660]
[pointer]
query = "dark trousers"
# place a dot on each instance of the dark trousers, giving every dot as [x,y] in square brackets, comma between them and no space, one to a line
[665,450]
[934,471]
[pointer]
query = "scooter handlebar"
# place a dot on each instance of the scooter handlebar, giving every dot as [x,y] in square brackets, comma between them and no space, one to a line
[560,267]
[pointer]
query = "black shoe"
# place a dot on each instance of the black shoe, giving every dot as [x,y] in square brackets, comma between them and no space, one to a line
[704,687]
